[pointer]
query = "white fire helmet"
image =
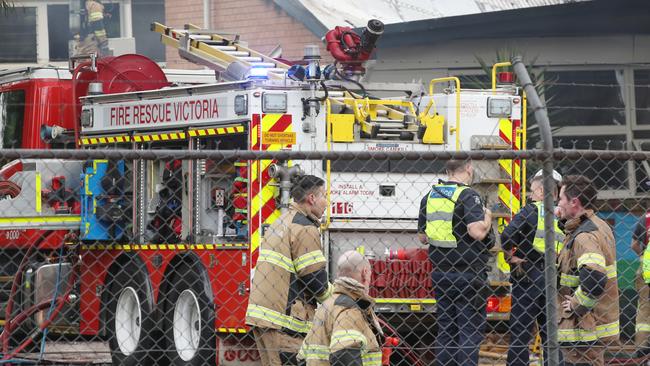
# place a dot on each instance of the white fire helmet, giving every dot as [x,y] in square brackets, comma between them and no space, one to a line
[557,177]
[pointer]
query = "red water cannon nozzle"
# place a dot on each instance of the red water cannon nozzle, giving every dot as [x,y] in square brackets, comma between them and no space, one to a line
[351,49]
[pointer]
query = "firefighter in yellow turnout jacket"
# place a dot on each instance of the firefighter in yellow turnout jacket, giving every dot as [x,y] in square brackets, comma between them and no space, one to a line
[95,11]
[346,331]
[588,292]
[290,276]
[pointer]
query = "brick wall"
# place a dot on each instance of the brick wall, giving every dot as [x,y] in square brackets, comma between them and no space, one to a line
[178,13]
[259,22]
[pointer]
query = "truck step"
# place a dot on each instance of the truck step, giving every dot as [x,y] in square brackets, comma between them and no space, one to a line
[494,147]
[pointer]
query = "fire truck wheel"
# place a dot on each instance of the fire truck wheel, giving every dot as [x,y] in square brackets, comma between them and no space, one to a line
[189,319]
[130,322]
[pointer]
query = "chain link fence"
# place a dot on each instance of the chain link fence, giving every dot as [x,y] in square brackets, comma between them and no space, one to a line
[154,257]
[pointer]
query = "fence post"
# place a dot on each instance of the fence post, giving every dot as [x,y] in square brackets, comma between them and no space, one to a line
[550,272]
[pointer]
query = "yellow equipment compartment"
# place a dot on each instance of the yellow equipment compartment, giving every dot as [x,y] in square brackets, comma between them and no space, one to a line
[342,127]
[434,132]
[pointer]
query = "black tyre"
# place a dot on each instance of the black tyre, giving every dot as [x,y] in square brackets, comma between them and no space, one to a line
[189,317]
[130,319]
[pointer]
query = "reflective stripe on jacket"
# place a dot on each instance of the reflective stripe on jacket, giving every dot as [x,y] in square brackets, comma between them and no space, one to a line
[95,11]
[538,242]
[440,212]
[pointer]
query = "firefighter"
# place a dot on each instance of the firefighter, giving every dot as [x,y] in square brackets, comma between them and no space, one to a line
[640,246]
[588,292]
[523,241]
[290,275]
[346,330]
[95,11]
[455,224]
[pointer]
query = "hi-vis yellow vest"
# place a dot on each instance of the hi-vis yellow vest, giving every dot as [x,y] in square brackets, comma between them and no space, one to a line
[538,242]
[440,211]
[646,265]
[646,254]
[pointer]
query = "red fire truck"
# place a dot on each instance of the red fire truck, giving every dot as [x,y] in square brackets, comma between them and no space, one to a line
[156,255]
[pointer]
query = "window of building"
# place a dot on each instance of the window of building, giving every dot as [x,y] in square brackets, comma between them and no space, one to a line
[58,30]
[18,29]
[58,24]
[480,81]
[642,96]
[12,114]
[112,19]
[585,98]
[607,175]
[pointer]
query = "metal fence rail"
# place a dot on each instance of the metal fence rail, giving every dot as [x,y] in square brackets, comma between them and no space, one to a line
[147,256]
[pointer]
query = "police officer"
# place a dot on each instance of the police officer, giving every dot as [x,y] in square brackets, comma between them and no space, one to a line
[346,330]
[455,224]
[290,276]
[588,291]
[639,246]
[523,241]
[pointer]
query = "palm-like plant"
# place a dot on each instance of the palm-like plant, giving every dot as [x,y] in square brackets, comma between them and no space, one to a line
[542,81]
[6,5]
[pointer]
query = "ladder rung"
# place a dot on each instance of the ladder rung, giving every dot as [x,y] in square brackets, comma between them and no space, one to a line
[394,125]
[277,70]
[392,130]
[252,59]
[397,130]
[387,120]
[260,64]
[390,135]
[224,48]
[200,37]
[214,43]
[237,53]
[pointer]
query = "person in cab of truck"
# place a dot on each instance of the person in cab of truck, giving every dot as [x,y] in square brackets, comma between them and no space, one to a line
[346,331]
[588,290]
[290,276]
[457,227]
[640,247]
[523,243]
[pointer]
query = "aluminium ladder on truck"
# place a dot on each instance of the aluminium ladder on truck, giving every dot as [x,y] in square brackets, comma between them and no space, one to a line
[226,55]
[377,119]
